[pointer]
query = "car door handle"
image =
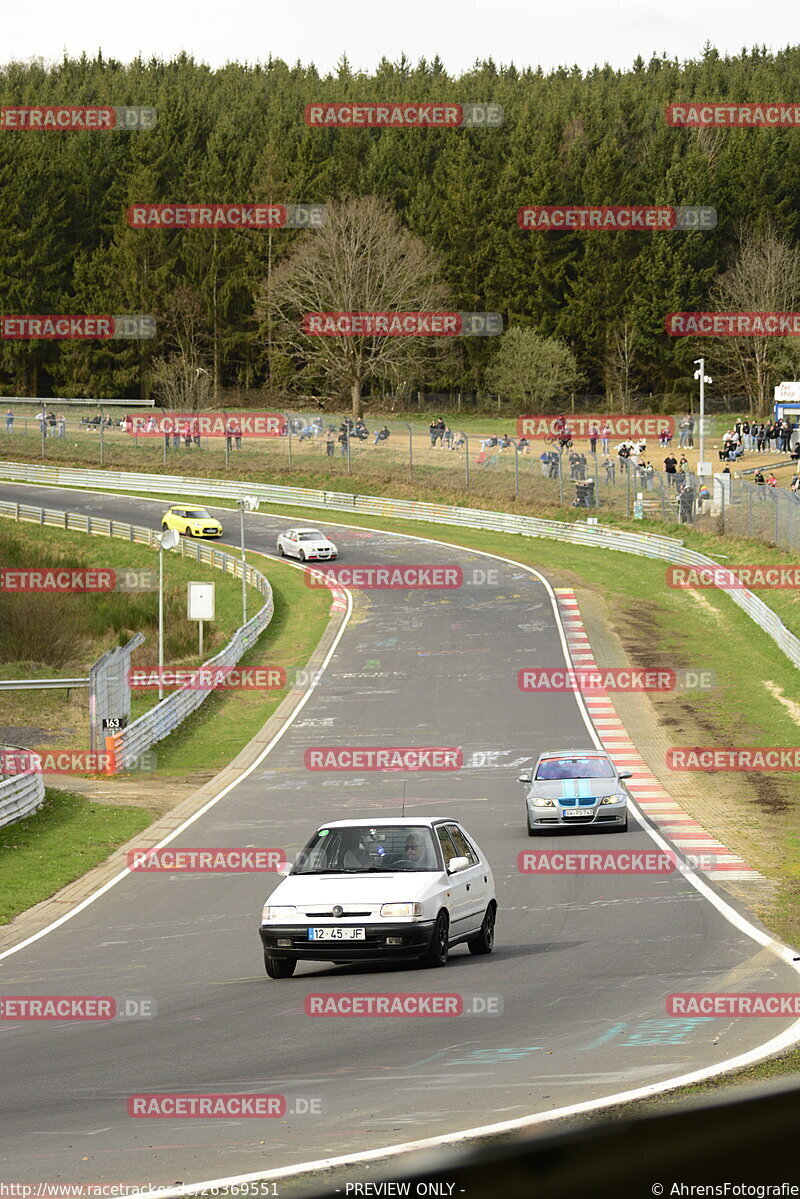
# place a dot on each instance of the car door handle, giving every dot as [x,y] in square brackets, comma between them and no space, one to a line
[468,886]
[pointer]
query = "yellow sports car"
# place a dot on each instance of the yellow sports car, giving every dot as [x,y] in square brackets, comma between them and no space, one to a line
[194,522]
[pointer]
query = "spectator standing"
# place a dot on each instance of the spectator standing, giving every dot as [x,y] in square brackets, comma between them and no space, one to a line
[786,435]
[196,431]
[605,434]
[62,426]
[611,468]
[9,421]
[746,434]
[623,454]
[186,431]
[670,468]
[329,443]
[229,435]
[448,437]
[690,431]
[51,420]
[649,472]
[683,431]
[544,462]
[237,433]
[594,433]
[433,430]
[344,438]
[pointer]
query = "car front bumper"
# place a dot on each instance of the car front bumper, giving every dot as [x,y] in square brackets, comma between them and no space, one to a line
[600,816]
[415,938]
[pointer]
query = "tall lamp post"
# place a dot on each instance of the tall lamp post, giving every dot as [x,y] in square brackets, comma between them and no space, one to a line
[703,377]
[167,540]
[247,503]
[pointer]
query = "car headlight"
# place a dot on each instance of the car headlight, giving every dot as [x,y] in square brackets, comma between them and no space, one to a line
[613,799]
[401,909]
[277,913]
[538,802]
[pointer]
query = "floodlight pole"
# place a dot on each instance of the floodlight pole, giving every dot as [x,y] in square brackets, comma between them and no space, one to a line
[160,621]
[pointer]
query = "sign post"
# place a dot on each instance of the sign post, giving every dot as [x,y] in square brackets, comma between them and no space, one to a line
[201,605]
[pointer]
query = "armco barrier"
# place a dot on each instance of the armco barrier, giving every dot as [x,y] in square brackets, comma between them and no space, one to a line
[669,549]
[20,794]
[157,723]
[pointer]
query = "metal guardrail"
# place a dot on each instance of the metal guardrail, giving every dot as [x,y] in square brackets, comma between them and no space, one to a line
[668,549]
[40,684]
[130,743]
[20,793]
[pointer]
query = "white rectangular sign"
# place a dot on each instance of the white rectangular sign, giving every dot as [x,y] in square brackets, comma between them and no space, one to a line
[201,601]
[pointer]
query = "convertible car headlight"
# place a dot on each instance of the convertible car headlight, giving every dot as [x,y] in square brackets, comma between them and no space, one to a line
[538,802]
[613,799]
[401,909]
[277,913]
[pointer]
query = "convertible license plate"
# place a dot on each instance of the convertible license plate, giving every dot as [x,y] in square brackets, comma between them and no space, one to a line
[336,934]
[577,812]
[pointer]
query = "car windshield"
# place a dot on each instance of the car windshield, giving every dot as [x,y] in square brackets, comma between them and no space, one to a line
[198,513]
[310,535]
[554,769]
[369,849]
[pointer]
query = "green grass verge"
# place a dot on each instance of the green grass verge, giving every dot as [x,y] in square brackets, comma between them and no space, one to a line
[56,845]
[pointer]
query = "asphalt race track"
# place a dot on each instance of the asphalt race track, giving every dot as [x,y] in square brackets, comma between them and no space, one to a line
[582,964]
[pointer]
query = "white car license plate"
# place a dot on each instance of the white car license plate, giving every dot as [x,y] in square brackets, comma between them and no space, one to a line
[336,934]
[577,811]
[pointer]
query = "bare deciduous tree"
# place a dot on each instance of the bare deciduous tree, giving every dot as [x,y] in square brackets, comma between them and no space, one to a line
[620,360]
[362,260]
[181,381]
[764,277]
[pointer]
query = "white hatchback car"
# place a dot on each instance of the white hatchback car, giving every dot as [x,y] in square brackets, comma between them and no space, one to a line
[407,888]
[306,544]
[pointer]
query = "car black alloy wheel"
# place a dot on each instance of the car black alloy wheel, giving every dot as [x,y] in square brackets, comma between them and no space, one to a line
[436,953]
[484,942]
[281,550]
[279,967]
[301,556]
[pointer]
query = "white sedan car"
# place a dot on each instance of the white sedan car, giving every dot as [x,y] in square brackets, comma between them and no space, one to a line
[306,544]
[408,888]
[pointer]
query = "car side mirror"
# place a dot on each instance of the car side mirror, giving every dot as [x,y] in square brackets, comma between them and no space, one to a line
[457,864]
[524,778]
[285,870]
[626,774]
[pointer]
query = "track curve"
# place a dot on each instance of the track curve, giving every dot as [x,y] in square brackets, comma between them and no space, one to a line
[583,964]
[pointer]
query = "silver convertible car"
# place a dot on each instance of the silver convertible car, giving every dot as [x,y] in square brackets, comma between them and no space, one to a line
[575,788]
